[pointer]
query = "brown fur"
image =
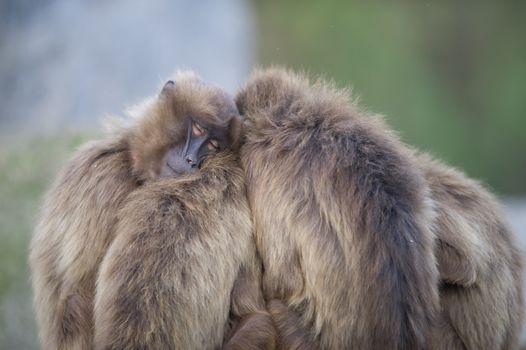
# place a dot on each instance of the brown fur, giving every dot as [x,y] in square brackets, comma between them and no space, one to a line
[341,213]
[79,220]
[480,265]
[291,335]
[167,278]
[76,227]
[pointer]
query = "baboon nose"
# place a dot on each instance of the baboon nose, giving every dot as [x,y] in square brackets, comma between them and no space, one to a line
[191,162]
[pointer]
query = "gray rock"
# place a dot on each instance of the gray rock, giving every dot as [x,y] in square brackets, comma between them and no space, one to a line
[68,63]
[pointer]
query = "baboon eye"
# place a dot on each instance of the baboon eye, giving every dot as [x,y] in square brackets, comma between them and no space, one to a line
[197,129]
[213,145]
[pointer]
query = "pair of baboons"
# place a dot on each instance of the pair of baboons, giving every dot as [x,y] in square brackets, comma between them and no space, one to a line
[288,218]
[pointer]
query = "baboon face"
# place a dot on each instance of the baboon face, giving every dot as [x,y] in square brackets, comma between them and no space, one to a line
[190,123]
[201,141]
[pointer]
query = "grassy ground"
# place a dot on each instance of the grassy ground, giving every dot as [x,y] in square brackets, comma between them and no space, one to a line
[27,167]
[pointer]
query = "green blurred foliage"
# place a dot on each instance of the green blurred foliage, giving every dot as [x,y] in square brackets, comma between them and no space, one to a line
[27,167]
[450,76]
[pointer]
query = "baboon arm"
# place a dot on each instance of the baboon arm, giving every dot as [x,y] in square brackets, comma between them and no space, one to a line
[454,266]
[254,331]
[458,248]
[291,333]
[131,299]
[154,287]
[247,296]
[252,324]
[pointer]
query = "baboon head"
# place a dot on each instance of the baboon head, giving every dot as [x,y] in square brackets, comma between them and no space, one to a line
[184,125]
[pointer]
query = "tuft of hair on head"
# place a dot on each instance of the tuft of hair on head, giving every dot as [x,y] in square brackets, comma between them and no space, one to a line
[186,75]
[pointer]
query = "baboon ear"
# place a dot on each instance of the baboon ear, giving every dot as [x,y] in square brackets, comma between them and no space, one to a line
[168,88]
[234,131]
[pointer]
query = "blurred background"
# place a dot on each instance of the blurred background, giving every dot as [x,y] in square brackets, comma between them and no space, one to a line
[450,77]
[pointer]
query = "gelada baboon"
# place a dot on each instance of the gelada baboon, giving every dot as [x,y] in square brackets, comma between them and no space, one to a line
[342,185]
[479,263]
[186,233]
[340,212]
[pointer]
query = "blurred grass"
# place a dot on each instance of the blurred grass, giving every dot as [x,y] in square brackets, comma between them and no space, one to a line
[27,167]
[450,76]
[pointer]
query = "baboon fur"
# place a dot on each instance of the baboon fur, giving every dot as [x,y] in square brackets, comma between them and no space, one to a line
[75,229]
[479,262]
[340,212]
[167,278]
[79,221]
[347,219]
